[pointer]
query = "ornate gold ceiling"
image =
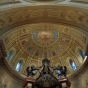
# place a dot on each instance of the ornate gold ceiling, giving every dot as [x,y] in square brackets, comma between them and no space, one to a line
[35,32]
[32,42]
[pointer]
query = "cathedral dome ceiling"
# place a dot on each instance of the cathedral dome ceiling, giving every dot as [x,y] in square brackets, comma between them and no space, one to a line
[58,42]
[31,33]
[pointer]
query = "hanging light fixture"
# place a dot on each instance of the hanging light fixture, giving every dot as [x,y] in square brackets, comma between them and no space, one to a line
[46,78]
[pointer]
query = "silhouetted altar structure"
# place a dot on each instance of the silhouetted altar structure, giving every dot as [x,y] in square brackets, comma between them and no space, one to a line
[46,78]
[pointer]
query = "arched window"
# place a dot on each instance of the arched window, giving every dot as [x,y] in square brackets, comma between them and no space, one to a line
[10,55]
[82,54]
[73,65]
[18,66]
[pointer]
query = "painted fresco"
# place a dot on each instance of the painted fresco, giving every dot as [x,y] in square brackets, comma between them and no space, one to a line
[45,37]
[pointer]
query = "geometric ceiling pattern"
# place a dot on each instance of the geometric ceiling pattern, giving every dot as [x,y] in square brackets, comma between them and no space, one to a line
[39,34]
[33,42]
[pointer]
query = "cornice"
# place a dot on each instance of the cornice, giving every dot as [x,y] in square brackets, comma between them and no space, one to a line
[58,14]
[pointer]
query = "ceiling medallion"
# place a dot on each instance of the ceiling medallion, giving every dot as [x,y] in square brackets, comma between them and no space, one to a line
[45,37]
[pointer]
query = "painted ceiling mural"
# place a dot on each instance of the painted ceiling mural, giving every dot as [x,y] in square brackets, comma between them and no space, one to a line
[63,44]
[45,37]
[33,42]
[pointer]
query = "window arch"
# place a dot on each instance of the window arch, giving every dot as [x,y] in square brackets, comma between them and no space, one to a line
[73,65]
[82,54]
[18,66]
[10,55]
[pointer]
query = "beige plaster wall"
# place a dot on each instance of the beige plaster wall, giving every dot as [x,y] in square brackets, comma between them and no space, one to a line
[6,81]
[81,82]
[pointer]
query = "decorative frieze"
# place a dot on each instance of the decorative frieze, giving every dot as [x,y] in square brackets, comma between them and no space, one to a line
[60,14]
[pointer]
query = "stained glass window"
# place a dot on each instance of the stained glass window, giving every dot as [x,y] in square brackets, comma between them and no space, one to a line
[10,55]
[83,55]
[73,65]
[18,66]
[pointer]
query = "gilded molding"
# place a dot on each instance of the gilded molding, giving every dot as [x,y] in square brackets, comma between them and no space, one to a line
[73,16]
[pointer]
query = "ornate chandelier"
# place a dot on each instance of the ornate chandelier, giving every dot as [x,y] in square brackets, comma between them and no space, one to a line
[46,78]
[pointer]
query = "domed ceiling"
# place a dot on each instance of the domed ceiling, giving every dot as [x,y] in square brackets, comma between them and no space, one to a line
[58,42]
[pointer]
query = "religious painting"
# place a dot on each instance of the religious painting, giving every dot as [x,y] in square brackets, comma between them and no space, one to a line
[45,37]
[24,41]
